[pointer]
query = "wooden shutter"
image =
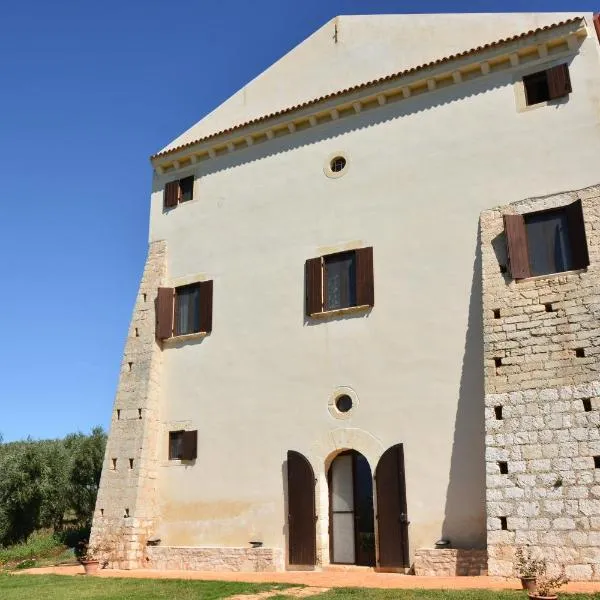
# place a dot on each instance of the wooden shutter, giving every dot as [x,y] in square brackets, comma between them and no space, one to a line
[302,534]
[190,445]
[392,520]
[365,290]
[171,194]
[314,286]
[516,244]
[164,313]
[206,305]
[559,81]
[577,238]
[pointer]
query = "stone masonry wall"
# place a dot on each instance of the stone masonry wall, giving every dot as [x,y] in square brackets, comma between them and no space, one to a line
[214,559]
[542,402]
[126,508]
[435,562]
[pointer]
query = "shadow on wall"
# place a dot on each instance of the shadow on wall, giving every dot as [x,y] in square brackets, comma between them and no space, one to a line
[370,118]
[465,517]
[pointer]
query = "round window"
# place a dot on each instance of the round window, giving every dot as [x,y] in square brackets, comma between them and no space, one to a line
[343,403]
[337,164]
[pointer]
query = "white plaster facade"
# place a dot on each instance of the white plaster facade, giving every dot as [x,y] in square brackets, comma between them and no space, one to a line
[419,173]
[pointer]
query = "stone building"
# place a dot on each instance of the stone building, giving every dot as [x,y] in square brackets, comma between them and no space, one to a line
[367,321]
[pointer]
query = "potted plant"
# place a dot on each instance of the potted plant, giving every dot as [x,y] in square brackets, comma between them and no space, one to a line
[87,556]
[528,568]
[547,585]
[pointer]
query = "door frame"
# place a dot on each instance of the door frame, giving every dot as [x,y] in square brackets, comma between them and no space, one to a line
[353,453]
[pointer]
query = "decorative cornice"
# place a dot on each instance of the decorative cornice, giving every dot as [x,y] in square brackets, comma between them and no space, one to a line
[536,45]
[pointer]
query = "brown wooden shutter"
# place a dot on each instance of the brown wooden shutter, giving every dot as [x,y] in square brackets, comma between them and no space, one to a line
[314,286]
[559,81]
[190,445]
[206,305]
[164,313]
[365,289]
[302,534]
[577,238]
[171,194]
[392,519]
[516,244]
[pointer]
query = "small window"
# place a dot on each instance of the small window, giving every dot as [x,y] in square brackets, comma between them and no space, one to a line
[183,445]
[547,85]
[180,190]
[186,186]
[338,281]
[548,242]
[343,403]
[187,309]
[176,445]
[551,241]
[337,164]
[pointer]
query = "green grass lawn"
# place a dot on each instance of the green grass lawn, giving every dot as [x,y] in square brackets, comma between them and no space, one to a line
[56,587]
[80,587]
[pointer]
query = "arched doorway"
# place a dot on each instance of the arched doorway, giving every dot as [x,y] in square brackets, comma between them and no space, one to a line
[351,522]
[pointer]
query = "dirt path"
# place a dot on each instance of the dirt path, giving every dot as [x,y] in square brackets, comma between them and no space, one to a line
[325,579]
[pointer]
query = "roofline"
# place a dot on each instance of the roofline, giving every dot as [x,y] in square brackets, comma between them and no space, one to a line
[365,85]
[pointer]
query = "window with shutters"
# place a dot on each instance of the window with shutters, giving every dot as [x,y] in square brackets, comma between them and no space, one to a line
[549,84]
[180,190]
[339,281]
[546,242]
[184,310]
[183,445]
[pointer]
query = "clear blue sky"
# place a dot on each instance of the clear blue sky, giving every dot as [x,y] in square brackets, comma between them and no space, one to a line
[88,90]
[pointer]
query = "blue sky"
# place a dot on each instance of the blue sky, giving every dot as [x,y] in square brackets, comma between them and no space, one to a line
[88,90]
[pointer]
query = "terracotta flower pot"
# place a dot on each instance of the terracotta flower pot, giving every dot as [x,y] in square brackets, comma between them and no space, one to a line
[90,566]
[536,597]
[529,584]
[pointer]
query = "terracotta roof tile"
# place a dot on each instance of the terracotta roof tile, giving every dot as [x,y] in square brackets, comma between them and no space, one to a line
[367,84]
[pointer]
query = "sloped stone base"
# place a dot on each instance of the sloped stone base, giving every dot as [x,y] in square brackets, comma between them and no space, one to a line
[214,559]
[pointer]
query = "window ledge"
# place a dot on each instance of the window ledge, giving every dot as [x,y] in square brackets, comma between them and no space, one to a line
[186,337]
[551,275]
[341,311]
[177,462]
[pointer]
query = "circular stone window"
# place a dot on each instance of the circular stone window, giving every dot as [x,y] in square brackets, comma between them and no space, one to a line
[343,403]
[337,164]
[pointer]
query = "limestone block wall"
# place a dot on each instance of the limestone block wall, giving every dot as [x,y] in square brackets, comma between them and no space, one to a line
[435,562]
[542,400]
[127,504]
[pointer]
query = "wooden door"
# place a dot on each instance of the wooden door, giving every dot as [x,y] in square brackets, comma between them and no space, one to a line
[301,510]
[392,518]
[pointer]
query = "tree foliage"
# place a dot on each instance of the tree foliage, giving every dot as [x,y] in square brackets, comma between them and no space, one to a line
[45,483]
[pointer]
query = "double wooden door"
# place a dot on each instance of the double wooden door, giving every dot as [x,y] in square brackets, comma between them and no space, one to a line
[351,518]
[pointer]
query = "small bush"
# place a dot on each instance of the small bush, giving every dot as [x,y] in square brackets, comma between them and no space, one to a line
[28,563]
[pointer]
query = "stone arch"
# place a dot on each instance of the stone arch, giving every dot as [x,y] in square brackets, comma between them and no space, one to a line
[320,455]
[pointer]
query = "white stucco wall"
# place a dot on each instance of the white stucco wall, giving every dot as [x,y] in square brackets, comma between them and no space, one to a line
[420,172]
